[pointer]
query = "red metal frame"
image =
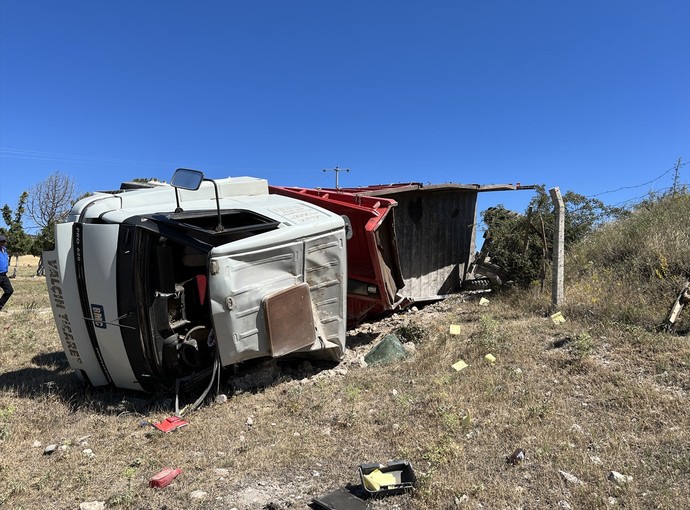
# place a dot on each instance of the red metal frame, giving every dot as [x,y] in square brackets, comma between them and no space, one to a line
[374,275]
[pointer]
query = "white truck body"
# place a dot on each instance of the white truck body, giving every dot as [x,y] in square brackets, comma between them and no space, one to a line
[146,293]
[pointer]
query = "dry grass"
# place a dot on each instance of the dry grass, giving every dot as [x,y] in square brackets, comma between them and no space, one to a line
[579,397]
[631,271]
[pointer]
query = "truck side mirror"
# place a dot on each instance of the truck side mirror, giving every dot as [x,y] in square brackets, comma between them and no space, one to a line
[185,178]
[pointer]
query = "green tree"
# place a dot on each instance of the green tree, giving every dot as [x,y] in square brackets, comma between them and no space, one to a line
[521,243]
[582,214]
[18,241]
[513,245]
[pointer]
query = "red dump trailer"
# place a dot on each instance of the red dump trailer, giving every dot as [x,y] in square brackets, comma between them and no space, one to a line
[410,242]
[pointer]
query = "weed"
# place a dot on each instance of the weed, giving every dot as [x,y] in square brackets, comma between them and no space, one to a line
[5,415]
[14,488]
[406,403]
[444,379]
[352,393]
[451,421]
[477,489]
[489,333]
[411,333]
[31,306]
[293,407]
[539,410]
[582,346]
[122,499]
[7,412]
[441,451]
[129,472]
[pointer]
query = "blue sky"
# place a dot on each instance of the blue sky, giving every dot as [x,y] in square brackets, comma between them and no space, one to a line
[590,96]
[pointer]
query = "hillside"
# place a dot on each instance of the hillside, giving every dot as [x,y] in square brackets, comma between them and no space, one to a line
[630,271]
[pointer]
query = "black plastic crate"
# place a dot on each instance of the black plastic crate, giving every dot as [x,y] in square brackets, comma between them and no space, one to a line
[397,477]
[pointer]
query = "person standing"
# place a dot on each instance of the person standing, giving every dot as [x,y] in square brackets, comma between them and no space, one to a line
[5,284]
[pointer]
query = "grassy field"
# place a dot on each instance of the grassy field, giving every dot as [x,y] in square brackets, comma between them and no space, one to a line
[582,398]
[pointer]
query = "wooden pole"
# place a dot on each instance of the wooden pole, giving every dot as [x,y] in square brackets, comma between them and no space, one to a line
[525,243]
[544,252]
[557,294]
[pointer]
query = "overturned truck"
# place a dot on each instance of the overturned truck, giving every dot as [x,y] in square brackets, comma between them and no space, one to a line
[155,287]
[160,287]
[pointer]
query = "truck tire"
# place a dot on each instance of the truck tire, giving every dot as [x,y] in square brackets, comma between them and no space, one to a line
[476,284]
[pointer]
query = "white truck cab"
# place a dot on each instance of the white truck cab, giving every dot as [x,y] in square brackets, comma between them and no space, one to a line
[152,287]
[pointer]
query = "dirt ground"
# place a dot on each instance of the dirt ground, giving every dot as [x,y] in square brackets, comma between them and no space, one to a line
[600,411]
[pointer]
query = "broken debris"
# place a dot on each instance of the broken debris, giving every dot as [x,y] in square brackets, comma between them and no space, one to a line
[170,424]
[517,457]
[374,480]
[395,477]
[342,499]
[676,308]
[164,477]
[386,351]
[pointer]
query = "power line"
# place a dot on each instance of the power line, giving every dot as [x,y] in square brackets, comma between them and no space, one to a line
[6,152]
[677,183]
[674,167]
[642,197]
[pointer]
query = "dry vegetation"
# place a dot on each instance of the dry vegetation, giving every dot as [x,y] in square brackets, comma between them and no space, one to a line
[582,398]
[626,271]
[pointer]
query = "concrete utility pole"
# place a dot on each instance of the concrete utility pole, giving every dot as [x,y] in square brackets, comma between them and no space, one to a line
[557,295]
[336,170]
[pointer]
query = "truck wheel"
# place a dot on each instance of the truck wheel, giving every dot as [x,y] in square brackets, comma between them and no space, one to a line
[476,284]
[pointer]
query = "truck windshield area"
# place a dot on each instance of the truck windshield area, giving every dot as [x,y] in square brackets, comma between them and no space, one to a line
[203,225]
[163,272]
